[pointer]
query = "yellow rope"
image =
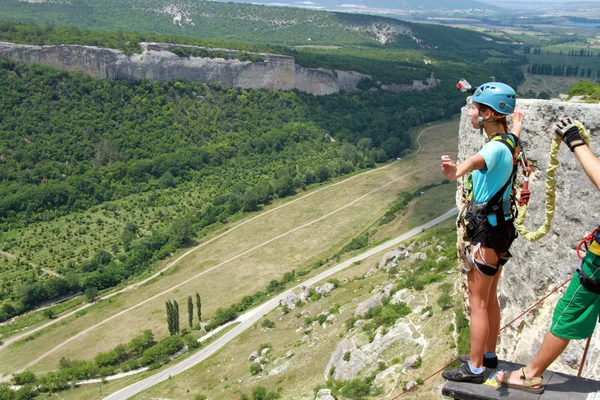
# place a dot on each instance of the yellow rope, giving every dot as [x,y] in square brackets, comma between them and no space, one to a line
[553,163]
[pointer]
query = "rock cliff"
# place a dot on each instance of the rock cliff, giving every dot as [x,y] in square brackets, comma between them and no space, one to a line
[156,62]
[538,267]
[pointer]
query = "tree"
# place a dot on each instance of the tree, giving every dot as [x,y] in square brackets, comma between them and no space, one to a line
[198,307]
[176,316]
[90,293]
[190,311]
[170,320]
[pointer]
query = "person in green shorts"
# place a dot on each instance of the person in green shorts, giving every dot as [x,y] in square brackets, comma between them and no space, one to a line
[577,312]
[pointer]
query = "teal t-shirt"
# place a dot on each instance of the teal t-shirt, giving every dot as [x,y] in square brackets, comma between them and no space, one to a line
[487,181]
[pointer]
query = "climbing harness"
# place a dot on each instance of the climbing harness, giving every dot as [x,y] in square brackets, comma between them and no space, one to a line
[553,163]
[588,241]
[473,215]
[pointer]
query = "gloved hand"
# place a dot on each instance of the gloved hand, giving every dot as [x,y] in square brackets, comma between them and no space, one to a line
[569,133]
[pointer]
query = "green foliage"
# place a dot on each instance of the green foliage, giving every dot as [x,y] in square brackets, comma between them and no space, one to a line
[385,315]
[188,52]
[464,333]
[191,342]
[267,323]
[201,397]
[190,312]
[161,352]
[261,393]
[24,378]
[90,294]
[255,368]
[445,301]
[221,317]
[347,356]
[357,388]
[584,88]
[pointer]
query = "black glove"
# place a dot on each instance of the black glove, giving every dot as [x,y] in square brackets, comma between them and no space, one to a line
[569,133]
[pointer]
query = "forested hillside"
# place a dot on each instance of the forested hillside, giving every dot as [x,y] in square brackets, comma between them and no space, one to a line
[117,159]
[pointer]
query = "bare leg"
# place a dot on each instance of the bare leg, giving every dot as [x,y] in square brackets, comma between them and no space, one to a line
[551,348]
[493,309]
[479,290]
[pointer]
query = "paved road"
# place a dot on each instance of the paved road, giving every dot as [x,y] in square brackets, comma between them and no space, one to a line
[251,317]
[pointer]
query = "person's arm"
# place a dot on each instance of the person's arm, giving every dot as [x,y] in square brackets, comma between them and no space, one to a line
[452,171]
[589,162]
[517,122]
[569,133]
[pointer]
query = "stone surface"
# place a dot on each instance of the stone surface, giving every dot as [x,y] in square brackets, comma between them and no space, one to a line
[324,394]
[325,289]
[157,63]
[536,268]
[367,354]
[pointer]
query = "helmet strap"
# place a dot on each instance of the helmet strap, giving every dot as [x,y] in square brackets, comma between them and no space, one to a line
[480,120]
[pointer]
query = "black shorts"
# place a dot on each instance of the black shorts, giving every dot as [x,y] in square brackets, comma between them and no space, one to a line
[499,237]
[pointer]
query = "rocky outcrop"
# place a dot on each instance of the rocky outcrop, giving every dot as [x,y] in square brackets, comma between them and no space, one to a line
[538,267]
[366,355]
[157,63]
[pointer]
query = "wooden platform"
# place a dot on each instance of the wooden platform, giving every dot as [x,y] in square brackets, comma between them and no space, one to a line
[558,387]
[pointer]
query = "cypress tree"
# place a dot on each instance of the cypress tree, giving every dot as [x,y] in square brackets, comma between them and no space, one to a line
[176,317]
[198,307]
[190,311]
[169,317]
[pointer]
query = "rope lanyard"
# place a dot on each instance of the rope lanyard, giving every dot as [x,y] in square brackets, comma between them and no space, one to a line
[553,163]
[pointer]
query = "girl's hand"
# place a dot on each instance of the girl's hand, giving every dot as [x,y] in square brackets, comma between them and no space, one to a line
[448,168]
[517,121]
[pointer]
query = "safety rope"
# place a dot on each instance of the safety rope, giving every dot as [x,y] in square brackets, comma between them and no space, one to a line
[500,330]
[553,163]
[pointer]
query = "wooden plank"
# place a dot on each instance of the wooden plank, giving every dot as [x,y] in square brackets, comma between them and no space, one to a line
[558,387]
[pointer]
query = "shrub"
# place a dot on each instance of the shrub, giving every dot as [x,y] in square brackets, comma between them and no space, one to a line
[255,368]
[347,356]
[445,301]
[24,378]
[356,389]
[267,323]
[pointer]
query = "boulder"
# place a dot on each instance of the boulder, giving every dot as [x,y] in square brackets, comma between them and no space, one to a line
[325,289]
[409,362]
[366,305]
[253,356]
[324,394]
[418,256]
[371,272]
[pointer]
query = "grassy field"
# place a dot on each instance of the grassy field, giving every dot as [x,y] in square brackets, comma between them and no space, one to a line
[293,237]
[226,374]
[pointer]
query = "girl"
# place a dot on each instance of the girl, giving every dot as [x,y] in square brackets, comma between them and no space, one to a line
[489,227]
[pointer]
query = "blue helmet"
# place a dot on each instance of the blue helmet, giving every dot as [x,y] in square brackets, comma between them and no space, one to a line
[498,96]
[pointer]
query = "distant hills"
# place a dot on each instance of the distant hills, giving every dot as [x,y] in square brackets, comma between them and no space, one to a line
[390,7]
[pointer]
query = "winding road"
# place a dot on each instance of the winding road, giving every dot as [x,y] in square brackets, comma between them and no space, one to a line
[251,317]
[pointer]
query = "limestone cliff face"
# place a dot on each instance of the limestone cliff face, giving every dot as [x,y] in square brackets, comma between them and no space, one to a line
[277,72]
[538,267]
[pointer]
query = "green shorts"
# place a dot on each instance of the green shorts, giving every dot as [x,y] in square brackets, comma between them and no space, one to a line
[576,313]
